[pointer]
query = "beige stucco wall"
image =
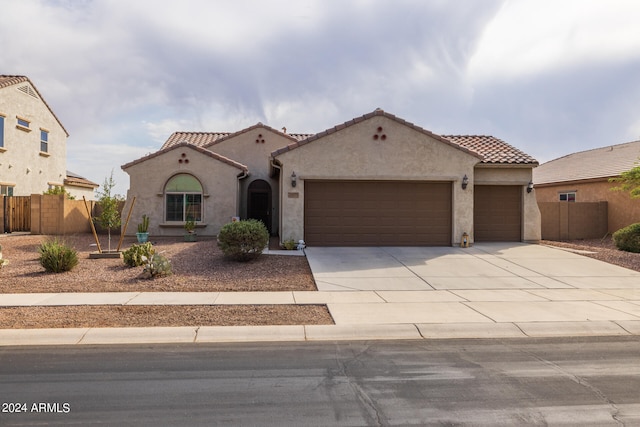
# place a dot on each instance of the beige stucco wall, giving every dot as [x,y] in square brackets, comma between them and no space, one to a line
[515,175]
[622,209]
[244,149]
[21,162]
[79,192]
[353,153]
[149,177]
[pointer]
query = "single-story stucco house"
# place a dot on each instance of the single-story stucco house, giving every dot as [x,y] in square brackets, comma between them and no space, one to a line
[374,180]
[583,177]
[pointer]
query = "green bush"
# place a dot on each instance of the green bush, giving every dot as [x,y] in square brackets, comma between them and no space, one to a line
[133,256]
[628,238]
[56,257]
[243,240]
[290,244]
[156,265]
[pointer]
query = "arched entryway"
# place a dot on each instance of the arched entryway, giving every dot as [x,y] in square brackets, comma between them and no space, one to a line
[259,202]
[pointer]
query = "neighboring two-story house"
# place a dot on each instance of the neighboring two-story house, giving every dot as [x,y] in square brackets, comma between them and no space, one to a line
[33,144]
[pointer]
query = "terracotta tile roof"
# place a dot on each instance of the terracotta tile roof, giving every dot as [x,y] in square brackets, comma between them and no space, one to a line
[599,163]
[489,149]
[80,181]
[493,150]
[207,139]
[377,112]
[195,147]
[6,81]
[199,139]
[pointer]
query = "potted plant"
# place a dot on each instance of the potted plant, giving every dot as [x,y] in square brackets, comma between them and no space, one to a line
[190,227]
[143,230]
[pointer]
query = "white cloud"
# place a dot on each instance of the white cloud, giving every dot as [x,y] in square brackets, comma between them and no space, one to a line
[527,38]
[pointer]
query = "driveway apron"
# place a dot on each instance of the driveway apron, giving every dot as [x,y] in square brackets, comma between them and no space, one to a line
[492,283]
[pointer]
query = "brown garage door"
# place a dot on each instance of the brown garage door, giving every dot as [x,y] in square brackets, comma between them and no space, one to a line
[377,213]
[497,213]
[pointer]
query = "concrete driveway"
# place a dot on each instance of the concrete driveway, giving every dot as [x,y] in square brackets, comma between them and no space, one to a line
[483,266]
[509,288]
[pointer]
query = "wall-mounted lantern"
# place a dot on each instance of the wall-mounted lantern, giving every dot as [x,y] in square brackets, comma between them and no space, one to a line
[530,187]
[465,182]
[294,179]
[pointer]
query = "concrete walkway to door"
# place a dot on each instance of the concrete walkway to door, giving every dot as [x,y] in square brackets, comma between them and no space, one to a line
[490,289]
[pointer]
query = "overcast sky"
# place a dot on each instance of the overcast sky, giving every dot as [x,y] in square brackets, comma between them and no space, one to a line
[548,76]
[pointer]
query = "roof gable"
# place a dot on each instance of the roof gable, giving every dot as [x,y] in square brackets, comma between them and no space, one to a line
[598,163]
[207,139]
[377,112]
[201,150]
[6,81]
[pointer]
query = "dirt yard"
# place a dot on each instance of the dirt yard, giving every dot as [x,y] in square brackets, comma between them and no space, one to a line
[197,267]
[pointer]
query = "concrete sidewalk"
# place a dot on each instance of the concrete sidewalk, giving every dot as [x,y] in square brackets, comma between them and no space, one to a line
[488,291]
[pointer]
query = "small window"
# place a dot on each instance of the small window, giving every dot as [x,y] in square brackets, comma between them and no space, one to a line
[44,141]
[568,197]
[6,190]
[23,123]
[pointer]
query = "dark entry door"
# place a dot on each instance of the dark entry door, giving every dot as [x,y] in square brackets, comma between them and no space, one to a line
[259,202]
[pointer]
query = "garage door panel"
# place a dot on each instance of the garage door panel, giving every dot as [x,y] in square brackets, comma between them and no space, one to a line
[370,213]
[497,213]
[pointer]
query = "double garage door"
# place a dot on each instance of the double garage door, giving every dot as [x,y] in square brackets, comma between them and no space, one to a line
[377,213]
[401,213]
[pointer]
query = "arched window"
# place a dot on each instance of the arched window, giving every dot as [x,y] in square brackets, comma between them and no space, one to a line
[183,199]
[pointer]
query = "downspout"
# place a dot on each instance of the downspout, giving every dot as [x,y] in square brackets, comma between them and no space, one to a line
[244,174]
[275,164]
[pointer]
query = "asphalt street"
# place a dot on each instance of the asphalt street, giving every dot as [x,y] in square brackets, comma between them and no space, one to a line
[553,381]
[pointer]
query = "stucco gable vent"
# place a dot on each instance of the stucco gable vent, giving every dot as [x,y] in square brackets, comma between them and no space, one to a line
[28,90]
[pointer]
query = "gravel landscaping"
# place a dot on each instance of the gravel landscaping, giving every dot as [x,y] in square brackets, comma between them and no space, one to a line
[197,267]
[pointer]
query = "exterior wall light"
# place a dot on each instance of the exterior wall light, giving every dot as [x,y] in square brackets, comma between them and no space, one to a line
[294,179]
[530,187]
[465,182]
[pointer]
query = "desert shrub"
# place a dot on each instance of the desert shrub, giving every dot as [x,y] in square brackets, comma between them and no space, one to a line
[57,257]
[628,238]
[133,256]
[243,240]
[156,265]
[290,244]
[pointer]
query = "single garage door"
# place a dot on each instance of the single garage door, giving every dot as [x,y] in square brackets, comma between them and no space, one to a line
[497,213]
[377,213]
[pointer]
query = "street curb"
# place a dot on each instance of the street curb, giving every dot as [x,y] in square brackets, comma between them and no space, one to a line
[309,333]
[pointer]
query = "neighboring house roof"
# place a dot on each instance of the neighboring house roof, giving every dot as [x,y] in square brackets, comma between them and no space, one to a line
[206,139]
[493,150]
[599,163]
[192,146]
[6,81]
[76,180]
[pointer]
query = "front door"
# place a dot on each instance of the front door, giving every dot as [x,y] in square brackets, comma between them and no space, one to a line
[259,202]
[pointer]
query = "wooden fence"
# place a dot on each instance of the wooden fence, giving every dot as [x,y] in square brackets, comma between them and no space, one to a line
[16,213]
